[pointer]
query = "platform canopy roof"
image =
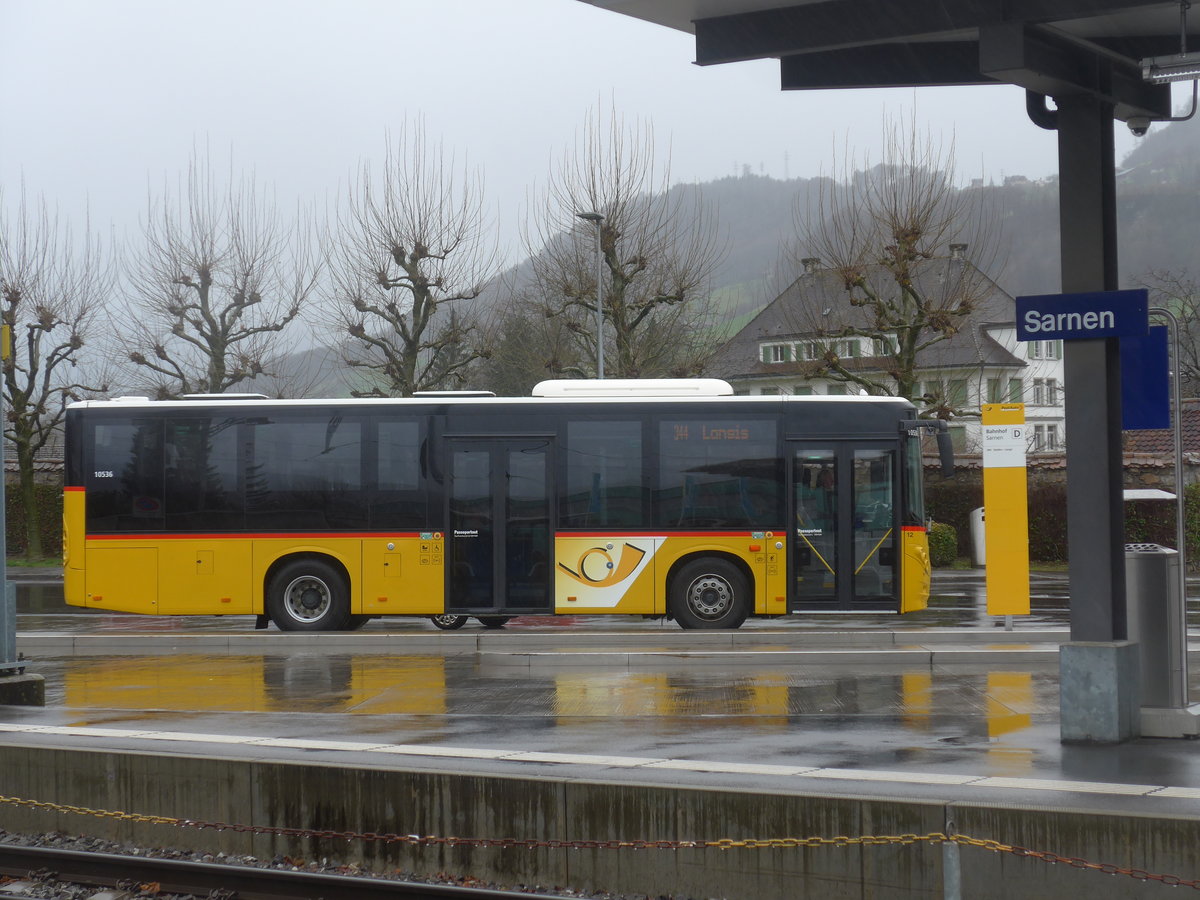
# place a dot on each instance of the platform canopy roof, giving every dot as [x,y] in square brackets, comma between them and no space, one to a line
[1050,47]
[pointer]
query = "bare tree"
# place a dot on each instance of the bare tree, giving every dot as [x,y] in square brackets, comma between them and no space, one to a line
[409,261]
[902,253]
[1179,292]
[218,279]
[658,248]
[51,288]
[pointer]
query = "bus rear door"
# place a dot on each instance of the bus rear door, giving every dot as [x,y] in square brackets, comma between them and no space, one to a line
[843,499]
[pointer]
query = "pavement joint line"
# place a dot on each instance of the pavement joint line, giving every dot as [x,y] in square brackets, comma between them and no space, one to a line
[528,756]
[1183,793]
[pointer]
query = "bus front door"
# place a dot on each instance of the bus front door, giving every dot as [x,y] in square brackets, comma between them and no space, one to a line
[844,546]
[498,538]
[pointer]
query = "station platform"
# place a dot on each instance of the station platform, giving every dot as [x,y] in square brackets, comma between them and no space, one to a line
[577,734]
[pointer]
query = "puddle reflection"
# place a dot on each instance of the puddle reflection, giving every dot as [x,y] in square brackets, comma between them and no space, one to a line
[759,700]
[297,683]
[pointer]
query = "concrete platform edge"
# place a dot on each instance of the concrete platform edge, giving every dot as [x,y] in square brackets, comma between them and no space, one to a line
[22,690]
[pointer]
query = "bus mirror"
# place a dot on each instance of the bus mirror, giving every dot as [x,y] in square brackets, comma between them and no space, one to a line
[945,444]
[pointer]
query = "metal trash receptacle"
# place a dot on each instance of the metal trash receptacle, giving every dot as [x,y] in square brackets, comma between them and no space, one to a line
[1156,623]
[978,538]
[8,628]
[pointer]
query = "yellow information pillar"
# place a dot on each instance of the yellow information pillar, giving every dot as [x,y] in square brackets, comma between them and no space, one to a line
[1005,509]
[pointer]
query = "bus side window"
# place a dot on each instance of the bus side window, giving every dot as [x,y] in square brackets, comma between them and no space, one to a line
[125,476]
[718,473]
[398,500]
[202,475]
[604,465]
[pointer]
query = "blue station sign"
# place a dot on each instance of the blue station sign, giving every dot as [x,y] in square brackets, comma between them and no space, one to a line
[1077,317]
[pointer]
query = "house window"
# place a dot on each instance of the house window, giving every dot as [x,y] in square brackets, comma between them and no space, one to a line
[956,397]
[769,391]
[883,346]
[836,390]
[1045,349]
[1045,392]
[1001,390]
[776,353]
[803,390]
[1045,438]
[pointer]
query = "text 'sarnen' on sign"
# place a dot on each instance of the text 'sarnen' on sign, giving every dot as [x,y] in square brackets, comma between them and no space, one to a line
[1075,317]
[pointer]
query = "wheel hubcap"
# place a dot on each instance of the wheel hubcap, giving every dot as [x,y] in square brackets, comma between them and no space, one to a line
[710,596]
[307,599]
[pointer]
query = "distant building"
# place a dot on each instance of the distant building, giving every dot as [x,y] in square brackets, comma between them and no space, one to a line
[47,462]
[981,363]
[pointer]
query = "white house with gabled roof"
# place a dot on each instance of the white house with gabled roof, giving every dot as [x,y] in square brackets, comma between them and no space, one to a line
[982,363]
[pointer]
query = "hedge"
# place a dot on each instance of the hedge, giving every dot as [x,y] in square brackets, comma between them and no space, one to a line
[49,513]
[1146,521]
[943,544]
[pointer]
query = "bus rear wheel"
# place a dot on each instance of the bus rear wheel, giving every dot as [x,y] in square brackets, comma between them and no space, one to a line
[493,621]
[448,621]
[709,593]
[308,595]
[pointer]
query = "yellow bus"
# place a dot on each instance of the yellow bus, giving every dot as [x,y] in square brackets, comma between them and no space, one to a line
[646,498]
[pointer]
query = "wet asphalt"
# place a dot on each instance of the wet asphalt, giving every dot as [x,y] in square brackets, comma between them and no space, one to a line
[942,695]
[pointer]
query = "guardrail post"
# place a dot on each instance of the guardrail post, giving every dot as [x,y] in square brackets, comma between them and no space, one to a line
[951,865]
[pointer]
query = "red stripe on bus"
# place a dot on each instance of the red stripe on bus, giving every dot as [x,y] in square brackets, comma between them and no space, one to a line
[242,535]
[69,488]
[920,528]
[181,536]
[660,532]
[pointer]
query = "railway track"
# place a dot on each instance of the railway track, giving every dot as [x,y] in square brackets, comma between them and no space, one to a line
[234,882]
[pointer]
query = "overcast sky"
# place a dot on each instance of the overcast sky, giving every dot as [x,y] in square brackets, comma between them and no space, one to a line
[101,98]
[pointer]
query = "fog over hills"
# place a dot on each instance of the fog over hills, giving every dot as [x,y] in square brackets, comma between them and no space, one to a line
[1158,208]
[1158,199]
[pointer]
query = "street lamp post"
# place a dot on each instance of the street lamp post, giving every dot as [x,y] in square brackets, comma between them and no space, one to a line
[599,220]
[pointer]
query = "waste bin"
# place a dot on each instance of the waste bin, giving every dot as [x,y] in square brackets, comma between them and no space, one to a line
[1157,623]
[8,628]
[978,538]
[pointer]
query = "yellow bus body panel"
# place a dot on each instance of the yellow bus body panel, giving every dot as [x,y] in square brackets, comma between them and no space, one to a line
[73,546]
[403,576]
[121,576]
[917,573]
[206,576]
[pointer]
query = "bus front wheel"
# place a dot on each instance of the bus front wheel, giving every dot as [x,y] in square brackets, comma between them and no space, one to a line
[709,593]
[308,595]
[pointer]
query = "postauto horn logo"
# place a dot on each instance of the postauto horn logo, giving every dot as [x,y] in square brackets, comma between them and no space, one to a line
[597,568]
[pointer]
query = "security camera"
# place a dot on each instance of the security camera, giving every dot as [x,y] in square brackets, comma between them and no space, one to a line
[1138,125]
